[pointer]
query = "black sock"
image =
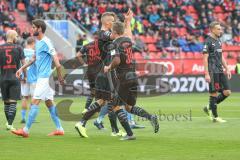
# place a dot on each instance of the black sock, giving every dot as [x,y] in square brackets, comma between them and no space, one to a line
[213,105]
[12,112]
[95,107]
[122,117]
[113,121]
[221,97]
[6,109]
[140,112]
[88,102]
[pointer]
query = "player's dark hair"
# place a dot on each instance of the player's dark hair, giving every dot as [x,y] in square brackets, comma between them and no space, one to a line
[40,24]
[30,40]
[213,24]
[118,27]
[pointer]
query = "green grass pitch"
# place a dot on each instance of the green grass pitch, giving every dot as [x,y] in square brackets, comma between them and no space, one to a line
[182,139]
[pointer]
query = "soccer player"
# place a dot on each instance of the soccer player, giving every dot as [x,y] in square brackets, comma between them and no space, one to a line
[29,83]
[44,55]
[91,54]
[11,57]
[103,91]
[126,79]
[214,62]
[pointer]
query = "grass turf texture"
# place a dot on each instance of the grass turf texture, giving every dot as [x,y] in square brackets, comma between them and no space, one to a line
[190,140]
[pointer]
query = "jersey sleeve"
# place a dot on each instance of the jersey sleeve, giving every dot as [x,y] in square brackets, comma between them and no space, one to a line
[105,36]
[51,49]
[206,48]
[114,51]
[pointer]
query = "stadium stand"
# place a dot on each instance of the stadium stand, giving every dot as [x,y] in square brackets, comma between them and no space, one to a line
[176,27]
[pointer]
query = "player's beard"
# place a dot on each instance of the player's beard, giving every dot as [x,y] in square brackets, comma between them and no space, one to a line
[36,34]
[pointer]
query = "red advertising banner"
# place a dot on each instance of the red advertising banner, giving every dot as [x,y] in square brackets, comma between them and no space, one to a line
[176,67]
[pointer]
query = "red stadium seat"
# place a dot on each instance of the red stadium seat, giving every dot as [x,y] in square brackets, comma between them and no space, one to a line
[152,47]
[21,7]
[182,55]
[159,54]
[225,54]
[46,7]
[191,9]
[190,55]
[218,9]
[182,31]
[194,16]
[154,55]
[150,39]
[229,48]
[138,56]
[237,39]
[198,55]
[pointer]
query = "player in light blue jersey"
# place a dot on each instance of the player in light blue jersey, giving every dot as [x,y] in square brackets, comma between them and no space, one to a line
[29,83]
[44,55]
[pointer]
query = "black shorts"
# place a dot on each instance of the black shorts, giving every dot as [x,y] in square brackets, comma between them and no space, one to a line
[102,87]
[11,90]
[219,82]
[127,93]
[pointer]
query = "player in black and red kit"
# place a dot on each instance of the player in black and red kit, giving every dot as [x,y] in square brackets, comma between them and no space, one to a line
[214,62]
[11,57]
[91,54]
[103,91]
[126,80]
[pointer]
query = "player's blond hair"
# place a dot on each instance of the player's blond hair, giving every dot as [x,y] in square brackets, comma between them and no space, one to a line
[213,24]
[105,16]
[11,35]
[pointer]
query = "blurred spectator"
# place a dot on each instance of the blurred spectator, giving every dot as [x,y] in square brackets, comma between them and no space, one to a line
[12,5]
[139,44]
[227,36]
[31,11]
[237,69]
[145,53]
[170,20]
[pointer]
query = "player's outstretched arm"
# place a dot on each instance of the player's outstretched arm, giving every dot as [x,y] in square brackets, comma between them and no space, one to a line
[58,68]
[25,65]
[224,63]
[127,21]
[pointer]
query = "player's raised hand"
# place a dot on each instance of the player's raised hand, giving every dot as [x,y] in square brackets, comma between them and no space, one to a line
[18,73]
[207,78]
[129,15]
[106,69]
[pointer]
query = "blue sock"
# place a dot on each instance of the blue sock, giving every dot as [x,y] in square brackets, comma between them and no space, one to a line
[55,118]
[23,112]
[103,112]
[31,116]
[130,117]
